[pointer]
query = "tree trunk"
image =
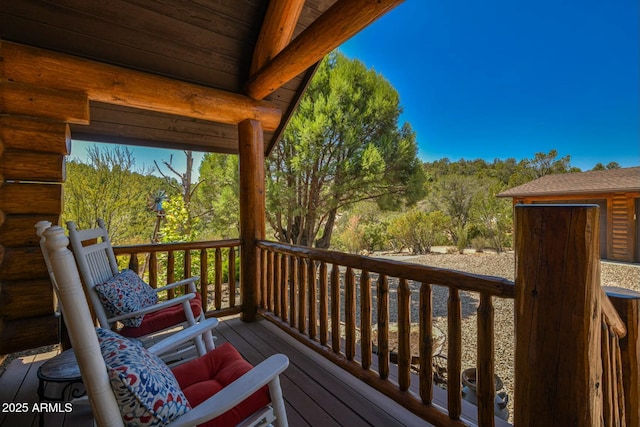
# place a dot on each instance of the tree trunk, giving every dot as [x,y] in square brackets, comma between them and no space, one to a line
[324,241]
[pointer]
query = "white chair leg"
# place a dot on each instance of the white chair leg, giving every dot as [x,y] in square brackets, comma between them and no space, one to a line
[277,403]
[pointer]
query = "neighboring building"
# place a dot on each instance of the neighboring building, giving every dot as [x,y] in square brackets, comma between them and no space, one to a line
[616,191]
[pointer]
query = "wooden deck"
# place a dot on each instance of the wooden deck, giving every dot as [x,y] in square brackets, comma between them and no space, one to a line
[317,392]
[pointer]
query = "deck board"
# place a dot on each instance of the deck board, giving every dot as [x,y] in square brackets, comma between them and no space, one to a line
[317,393]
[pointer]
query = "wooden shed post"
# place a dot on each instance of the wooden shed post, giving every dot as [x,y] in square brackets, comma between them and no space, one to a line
[252,212]
[558,372]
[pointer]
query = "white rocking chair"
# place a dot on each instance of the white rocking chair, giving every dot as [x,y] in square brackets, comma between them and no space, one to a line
[109,406]
[97,264]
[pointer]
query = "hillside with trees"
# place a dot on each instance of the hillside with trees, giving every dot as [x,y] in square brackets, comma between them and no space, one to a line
[345,176]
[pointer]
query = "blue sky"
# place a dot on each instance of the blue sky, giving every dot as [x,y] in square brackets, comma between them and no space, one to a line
[499,78]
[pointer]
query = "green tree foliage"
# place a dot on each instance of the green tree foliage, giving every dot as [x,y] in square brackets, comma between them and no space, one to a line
[364,228]
[610,165]
[493,216]
[342,146]
[417,230]
[216,200]
[454,197]
[108,187]
[542,164]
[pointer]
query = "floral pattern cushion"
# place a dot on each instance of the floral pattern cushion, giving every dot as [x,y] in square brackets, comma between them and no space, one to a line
[145,388]
[125,293]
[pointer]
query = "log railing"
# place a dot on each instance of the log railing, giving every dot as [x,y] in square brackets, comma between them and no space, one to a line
[316,295]
[202,258]
[613,329]
[626,304]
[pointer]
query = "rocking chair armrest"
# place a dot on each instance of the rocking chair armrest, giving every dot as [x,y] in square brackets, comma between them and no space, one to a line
[185,335]
[234,393]
[152,308]
[188,281]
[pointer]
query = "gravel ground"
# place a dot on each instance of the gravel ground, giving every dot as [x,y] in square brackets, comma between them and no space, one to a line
[503,265]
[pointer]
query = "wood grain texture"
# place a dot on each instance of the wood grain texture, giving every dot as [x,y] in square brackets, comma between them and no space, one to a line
[341,21]
[65,105]
[557,308]
[276,32]
[116,85]
[18,198]
[27,165]
[627,304]
[252,211]
[25,133]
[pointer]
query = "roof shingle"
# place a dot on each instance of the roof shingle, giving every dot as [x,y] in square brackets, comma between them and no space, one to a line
[606,181]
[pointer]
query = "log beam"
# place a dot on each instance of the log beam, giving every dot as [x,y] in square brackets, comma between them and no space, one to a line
[252,212]
[276,32]
[558,372]
[116,85]
[339,23]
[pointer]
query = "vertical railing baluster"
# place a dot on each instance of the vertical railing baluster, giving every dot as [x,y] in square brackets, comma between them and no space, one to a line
[153,270]
[277,285]
[365,319]
[313,290]
[264,278]
[204,279]
[335,308]
[133,263]
[171,272]
[404,335]
[607,375]
[454,354]
[187,269]
[284,290]
[293,291]
[350,313]
[302,296]
[218,279]
[324,304]
[270,280]
[232,277]
[383,326]
[426,343]
[485,363]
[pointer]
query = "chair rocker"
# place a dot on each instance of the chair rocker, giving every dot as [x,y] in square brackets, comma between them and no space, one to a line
[128,384]
[107,287]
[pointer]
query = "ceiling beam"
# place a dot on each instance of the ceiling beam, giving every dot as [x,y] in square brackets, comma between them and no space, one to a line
[276,32]
[121,86]
[339,23]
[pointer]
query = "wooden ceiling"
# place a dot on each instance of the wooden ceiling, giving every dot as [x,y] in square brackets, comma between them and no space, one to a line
[204,42]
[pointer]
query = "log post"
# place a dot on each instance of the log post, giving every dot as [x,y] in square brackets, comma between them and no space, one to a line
[558,368]
[627,303]
[252,212]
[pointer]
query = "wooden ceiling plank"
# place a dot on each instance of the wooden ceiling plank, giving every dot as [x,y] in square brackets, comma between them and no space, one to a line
[340,22]
[276,32]
[52,27]
[117,85]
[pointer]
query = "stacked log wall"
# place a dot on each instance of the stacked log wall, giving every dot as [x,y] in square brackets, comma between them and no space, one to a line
[34,140]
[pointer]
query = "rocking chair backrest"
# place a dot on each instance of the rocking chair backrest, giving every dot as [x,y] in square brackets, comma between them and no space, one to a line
[81,329]
[96,262]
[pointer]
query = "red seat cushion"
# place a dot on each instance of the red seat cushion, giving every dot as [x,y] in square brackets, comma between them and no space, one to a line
[201,378]
[165,318]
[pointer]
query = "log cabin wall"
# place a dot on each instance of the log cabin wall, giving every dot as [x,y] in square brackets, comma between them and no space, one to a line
[34,140]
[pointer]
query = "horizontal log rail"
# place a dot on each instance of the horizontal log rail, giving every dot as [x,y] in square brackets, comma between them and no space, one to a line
[220,299]
[313,293]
